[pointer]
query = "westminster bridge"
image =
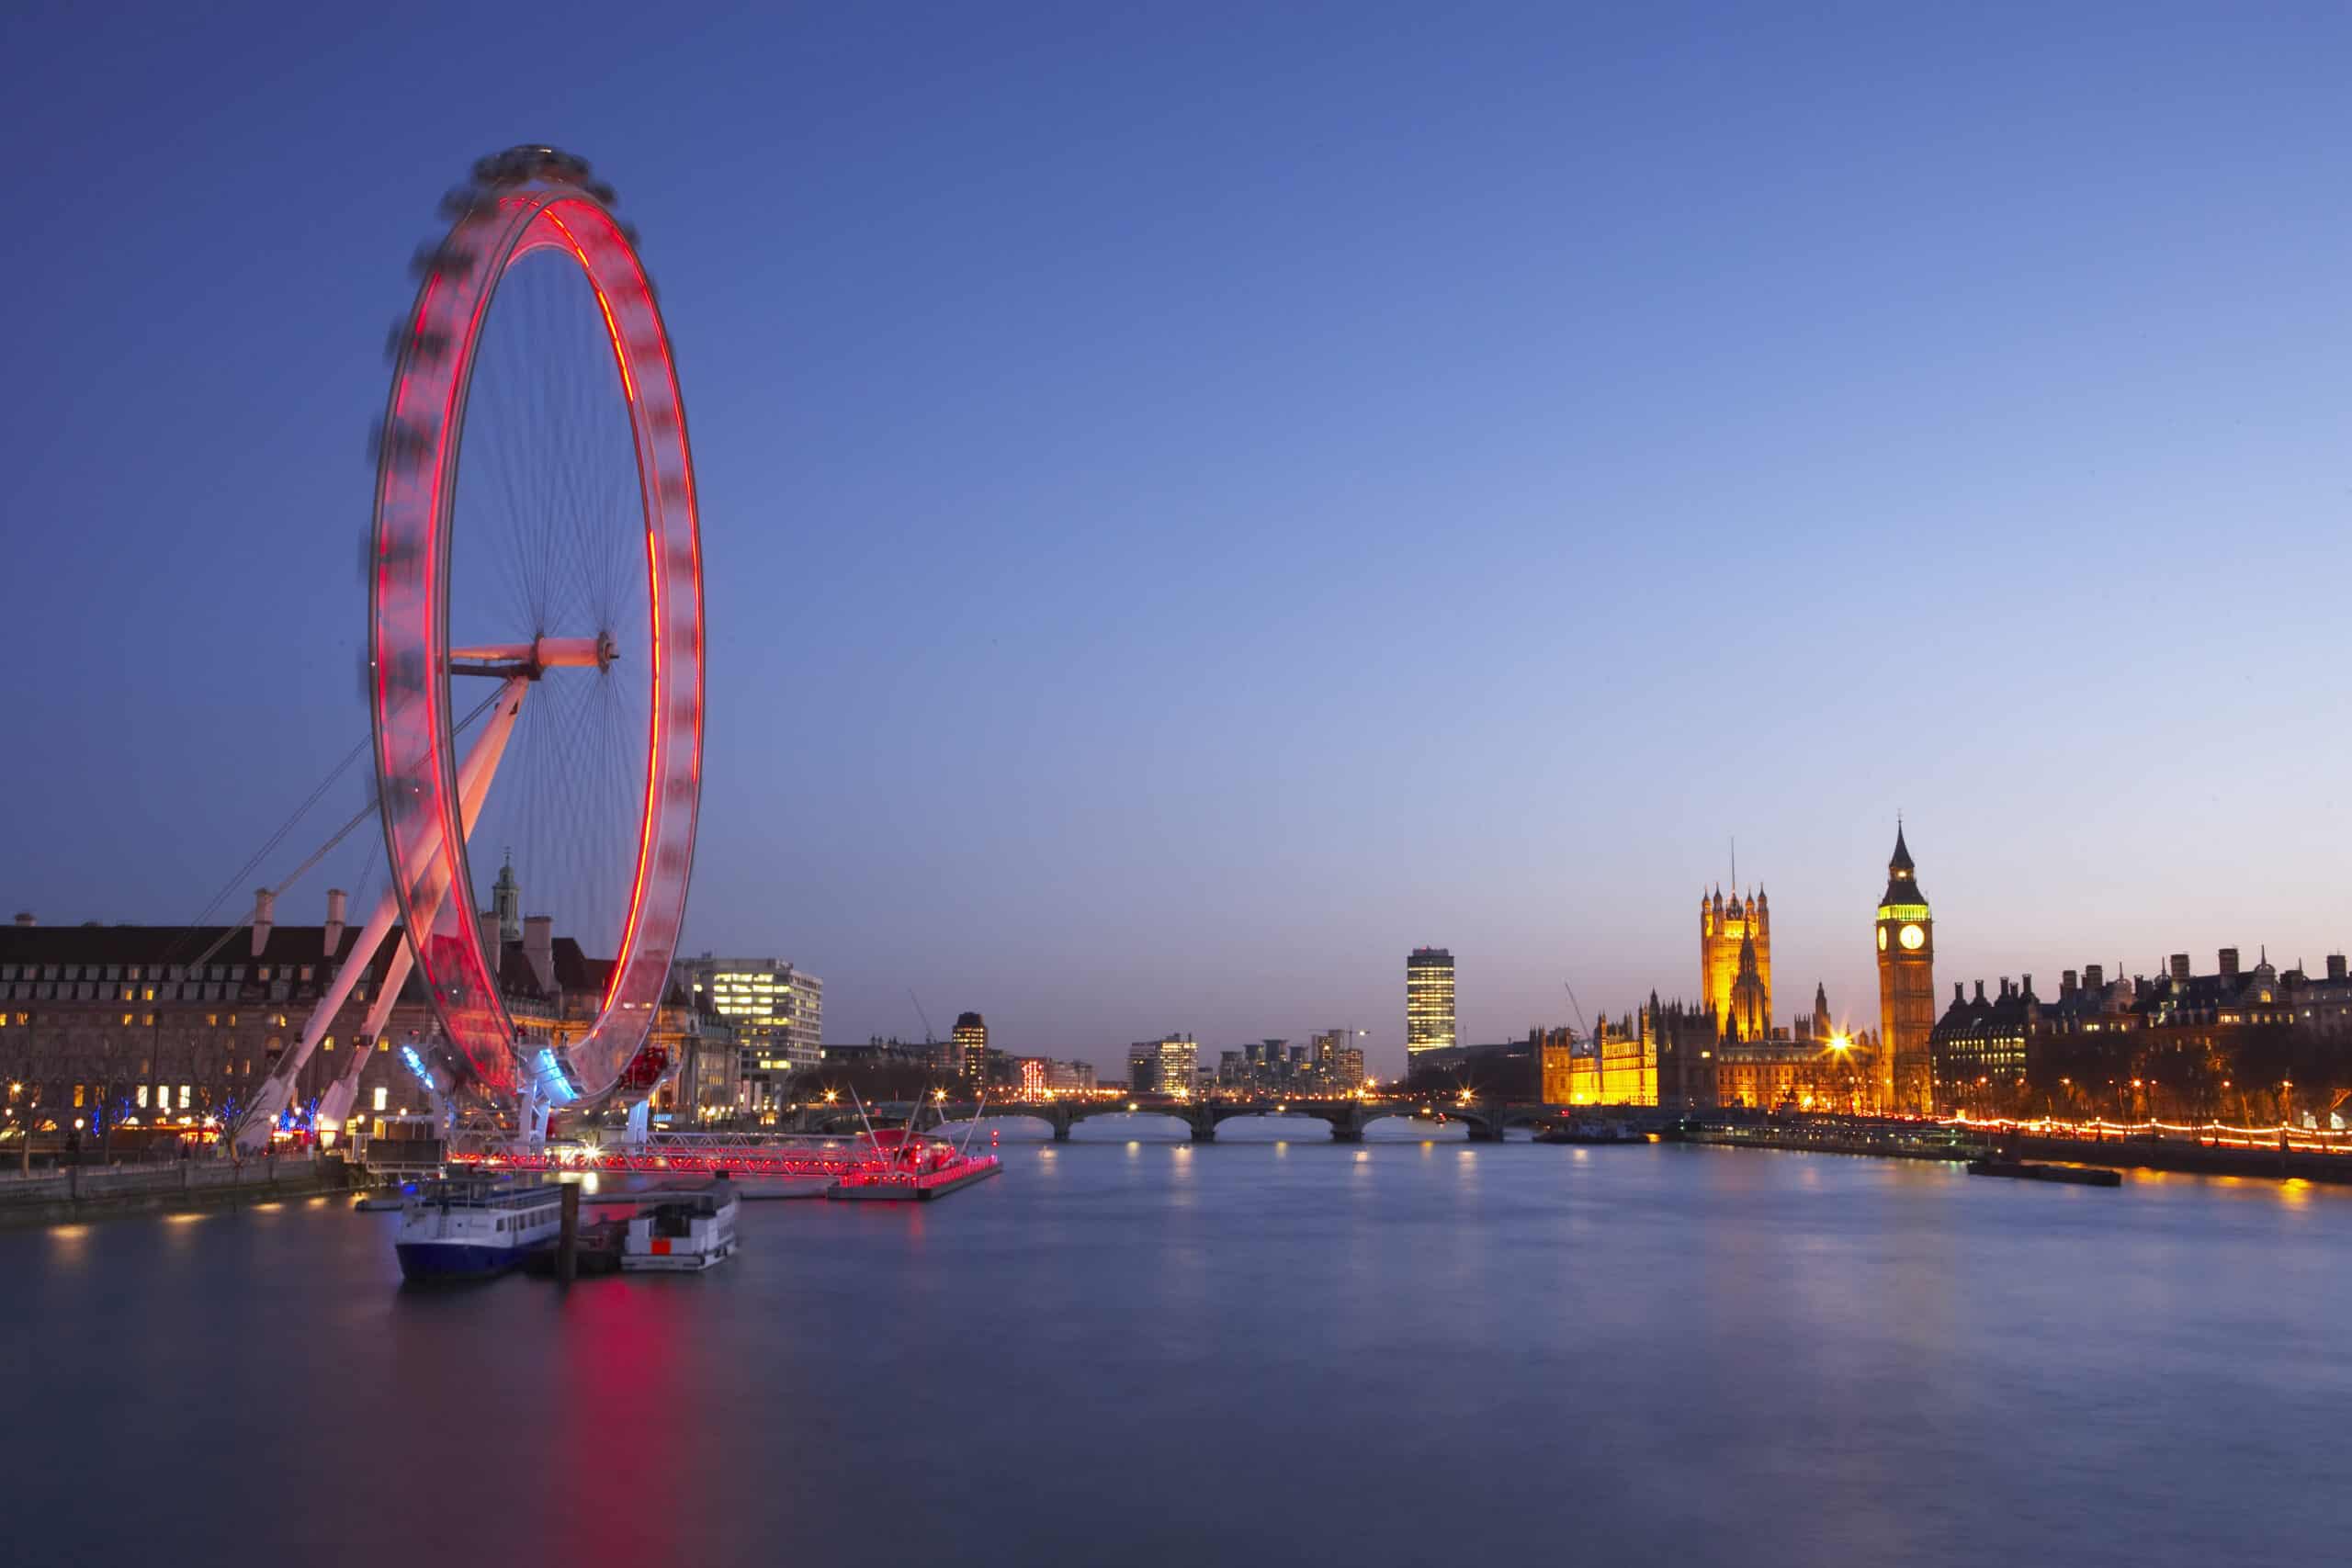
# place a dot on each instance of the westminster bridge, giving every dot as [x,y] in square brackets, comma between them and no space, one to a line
[1486,1120]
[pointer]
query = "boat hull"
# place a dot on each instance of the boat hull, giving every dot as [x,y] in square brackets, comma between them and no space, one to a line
[677,1262]
[907,1193]
[454,1262]
[2069,1175]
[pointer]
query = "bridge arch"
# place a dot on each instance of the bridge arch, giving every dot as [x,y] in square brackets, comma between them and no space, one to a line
[1021,1123]
[1159,1126]
[1409,1116]
[1284,1125]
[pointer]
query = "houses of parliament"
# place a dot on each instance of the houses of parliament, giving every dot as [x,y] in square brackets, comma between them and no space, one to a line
[1725,1049]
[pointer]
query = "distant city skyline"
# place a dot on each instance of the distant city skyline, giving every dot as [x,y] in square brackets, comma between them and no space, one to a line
[1198,504]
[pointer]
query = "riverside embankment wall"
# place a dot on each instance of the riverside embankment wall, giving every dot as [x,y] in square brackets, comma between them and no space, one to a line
[73,1193]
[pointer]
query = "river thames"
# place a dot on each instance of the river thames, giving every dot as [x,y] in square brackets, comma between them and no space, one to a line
[1152,1352]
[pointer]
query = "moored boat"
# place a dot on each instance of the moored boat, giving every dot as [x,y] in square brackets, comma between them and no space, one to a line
[910,1167]
[683,1233]
[2026,1170]
[1592,1133]
[474,1227]
[900,1164]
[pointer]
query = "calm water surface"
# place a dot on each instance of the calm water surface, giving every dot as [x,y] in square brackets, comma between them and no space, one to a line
[1288,1353]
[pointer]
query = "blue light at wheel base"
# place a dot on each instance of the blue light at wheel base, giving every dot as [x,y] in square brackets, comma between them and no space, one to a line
[553,1078]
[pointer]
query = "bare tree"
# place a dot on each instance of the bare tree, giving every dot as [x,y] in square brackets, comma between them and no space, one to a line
[35,1061]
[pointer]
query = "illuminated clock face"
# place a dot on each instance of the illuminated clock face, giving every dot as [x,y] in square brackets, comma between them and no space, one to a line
[1914,939]
[1881,938]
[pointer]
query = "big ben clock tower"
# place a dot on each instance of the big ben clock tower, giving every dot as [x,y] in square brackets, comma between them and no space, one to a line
[1907,988]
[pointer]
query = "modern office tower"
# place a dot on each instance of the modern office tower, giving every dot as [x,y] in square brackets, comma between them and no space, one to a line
[1339,1061]
[777,1012]
[1429,1000]
[971,1046]
[1179,1061]
[1165,1066]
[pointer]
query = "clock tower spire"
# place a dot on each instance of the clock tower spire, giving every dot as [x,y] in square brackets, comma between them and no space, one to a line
[1906,987]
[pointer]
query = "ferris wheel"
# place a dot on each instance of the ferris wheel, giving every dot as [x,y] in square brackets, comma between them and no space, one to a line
[534,622]
[536,563]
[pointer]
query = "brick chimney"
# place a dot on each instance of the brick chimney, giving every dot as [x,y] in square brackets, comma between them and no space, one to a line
[2180,967]
[264,914]
[2334,959]
[2230,961]
[2095,977]
[2068,983]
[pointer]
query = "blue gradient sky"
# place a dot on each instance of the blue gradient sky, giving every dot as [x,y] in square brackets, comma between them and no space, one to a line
[1199,501]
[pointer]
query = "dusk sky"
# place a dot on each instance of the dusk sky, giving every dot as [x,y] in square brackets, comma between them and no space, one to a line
[1199,501]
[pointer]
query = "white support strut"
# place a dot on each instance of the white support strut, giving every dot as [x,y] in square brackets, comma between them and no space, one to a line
[474,774]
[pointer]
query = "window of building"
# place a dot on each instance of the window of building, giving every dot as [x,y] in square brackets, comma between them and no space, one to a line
[184,1097]
[143,1097]
[381,1092]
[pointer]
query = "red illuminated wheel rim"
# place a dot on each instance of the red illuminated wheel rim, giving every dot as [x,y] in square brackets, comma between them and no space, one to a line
[567,544]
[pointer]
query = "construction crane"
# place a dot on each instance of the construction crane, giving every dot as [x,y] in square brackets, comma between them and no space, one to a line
[1579,1007]
[928,1037]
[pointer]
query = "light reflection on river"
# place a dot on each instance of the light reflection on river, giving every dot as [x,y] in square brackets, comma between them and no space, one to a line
[1382,1353]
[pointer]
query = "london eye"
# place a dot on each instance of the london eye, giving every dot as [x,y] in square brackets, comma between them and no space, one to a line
[536,561]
